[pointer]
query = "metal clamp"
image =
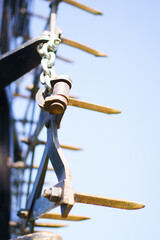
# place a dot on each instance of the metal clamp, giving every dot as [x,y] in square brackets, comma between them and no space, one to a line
[55,102]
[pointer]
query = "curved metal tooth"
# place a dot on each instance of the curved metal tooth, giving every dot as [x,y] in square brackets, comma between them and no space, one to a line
[91,106]
[68,218]
[82,47]
[49,225]
[107,202]
[83,7]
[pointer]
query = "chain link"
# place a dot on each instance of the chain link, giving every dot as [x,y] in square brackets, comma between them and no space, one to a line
[48,53]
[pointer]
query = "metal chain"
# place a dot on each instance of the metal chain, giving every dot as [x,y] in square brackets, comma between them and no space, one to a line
[48,54]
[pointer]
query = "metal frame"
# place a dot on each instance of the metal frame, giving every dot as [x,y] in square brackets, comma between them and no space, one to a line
[61,194]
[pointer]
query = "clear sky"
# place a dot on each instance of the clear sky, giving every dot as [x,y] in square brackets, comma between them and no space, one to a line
[121,153]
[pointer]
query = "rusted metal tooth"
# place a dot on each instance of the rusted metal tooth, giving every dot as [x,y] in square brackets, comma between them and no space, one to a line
[107,202]
[91,106]
[49,225]
[27,141]
[82,47]
[83,7]
[68,218]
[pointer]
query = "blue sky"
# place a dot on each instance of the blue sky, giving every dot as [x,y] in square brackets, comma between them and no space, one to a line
[120,156]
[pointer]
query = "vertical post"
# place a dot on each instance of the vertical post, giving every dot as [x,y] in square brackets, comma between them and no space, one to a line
[5,145]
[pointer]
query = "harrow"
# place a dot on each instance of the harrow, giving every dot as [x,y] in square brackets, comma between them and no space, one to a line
[52,96]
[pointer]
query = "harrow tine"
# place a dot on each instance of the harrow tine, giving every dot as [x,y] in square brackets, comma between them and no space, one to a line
[83,7]
[64,59]
[68,218]
[49,225]
[107,202]
[91,106]
[27,141]
[82,47]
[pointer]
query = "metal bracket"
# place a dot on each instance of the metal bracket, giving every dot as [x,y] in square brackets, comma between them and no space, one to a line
[14,64]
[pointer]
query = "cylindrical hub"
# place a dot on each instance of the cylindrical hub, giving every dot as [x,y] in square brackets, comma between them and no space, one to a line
[57,102]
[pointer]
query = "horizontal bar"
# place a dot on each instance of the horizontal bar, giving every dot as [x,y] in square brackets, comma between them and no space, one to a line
[107,202]
[82,47]
[83,7]
[68,218]
[91,106]
[49,225]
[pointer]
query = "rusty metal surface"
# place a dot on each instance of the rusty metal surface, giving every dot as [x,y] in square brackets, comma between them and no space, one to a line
[91,106]
[107,202]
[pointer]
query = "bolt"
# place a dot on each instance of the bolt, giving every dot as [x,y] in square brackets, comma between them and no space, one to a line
[57,41]
[53,194]
[22,213]
[47,193]
[57,108]
[55,104]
